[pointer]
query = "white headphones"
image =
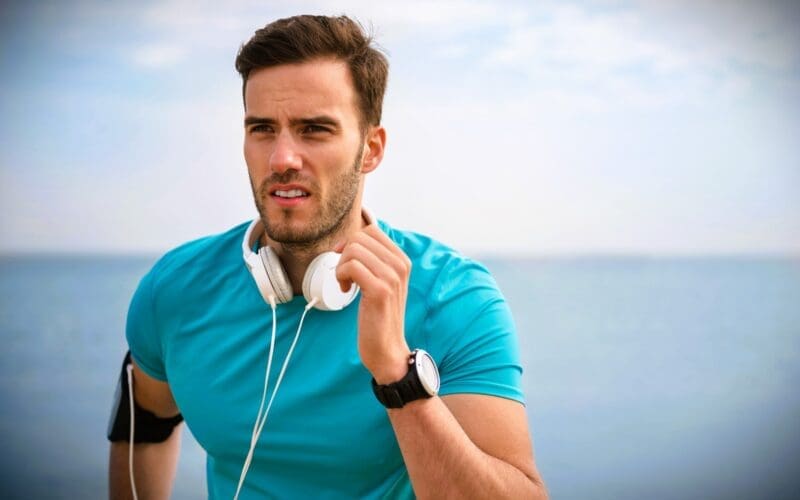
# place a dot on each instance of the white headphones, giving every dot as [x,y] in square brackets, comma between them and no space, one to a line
[319,283]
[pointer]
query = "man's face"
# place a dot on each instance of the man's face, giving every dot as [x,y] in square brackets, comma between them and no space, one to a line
[304,148]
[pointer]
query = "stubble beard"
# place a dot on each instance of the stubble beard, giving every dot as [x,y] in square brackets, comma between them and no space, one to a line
[329,219]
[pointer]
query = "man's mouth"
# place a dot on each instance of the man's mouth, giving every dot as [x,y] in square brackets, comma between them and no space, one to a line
[290,193]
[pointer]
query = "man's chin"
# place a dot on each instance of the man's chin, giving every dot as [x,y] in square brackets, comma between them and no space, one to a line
[300,229]
[288,235]
[282,224]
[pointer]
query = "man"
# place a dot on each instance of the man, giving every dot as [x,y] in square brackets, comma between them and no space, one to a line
[198,325]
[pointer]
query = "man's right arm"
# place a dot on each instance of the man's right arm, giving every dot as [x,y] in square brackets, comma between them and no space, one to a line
[154,463]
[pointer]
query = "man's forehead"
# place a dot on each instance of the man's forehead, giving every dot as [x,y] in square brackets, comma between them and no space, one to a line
[302,86]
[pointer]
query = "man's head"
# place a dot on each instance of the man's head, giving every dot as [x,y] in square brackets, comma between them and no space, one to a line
[311,134]
[304,38]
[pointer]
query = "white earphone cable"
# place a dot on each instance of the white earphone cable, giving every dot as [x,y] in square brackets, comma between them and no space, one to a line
[129,369]
[285,364]
[266,378]
[253,438]
[262,420]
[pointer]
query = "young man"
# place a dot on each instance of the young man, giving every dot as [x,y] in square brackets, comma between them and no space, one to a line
[359,412]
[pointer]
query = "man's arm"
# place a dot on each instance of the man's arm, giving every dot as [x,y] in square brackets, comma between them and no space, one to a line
[154,463]
[457,446]
[467,446]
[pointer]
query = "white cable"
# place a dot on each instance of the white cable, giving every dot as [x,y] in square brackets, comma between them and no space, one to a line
[129,369]
[266,378]
[253,438]
[263,420]
[285,364]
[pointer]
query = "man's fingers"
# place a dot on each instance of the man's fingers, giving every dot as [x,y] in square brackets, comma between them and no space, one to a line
[381,264]
[386,251]
[354,271]
[356,250]
[383,238]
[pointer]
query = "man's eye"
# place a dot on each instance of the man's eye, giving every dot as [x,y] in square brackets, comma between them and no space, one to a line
[314,129]
[260,129]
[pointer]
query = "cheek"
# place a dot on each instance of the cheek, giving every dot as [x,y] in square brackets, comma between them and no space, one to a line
[249,147]
[255,156]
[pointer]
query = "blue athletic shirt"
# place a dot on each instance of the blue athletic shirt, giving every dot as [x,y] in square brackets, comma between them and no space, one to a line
[198,322]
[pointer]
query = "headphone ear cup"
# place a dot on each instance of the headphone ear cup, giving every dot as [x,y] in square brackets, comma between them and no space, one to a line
[320,283]
[259,274]
[276,275]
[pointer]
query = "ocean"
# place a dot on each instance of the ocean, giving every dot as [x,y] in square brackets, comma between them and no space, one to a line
[645,378]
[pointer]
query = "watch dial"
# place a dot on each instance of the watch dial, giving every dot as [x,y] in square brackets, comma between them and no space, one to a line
[428,373]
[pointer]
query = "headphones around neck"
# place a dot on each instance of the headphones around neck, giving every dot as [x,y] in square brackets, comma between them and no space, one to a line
[319,283]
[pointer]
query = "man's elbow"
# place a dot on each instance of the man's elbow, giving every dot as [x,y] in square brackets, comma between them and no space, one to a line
[538,488]
[541,492]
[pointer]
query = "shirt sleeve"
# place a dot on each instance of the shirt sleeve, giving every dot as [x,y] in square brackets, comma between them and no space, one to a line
[142,333]
[471,334]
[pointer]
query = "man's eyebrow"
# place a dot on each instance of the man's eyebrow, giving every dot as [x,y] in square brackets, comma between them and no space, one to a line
[257,120]
[316,120]
[312,120]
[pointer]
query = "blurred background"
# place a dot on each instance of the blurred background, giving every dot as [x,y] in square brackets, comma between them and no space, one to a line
[629,171]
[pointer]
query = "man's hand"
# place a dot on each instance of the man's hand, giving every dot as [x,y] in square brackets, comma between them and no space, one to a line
[372,261]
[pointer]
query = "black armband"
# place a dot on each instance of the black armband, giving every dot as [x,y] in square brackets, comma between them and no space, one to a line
[148,427]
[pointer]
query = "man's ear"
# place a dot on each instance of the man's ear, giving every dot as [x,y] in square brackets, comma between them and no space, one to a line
[374,145]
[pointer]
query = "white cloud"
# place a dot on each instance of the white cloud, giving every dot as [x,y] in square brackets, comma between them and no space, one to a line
[644,55]
[761,34]
[211,24]
[157,56]
[647,53]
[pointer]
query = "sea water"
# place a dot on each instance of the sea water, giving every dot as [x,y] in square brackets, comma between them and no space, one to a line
[645,378]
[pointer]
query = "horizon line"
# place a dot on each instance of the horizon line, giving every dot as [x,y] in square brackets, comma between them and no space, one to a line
[514,255]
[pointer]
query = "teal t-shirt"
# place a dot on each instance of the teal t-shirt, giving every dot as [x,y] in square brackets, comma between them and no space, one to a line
[197,321]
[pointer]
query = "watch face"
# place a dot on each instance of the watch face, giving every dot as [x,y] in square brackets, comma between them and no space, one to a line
[427,371]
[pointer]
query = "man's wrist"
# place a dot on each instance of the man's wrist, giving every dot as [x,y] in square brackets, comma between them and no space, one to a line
[392,371]
[421,381]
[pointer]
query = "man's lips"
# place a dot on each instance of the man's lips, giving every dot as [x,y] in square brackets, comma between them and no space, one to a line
[273,189]
[288,195]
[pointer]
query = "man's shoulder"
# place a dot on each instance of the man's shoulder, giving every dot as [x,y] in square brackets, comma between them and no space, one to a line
[208,253]
[420,247]
[435,266]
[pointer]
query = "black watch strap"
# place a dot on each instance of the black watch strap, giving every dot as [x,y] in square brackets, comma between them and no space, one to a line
[405,390]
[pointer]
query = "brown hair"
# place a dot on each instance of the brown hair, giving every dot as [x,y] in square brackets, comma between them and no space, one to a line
[302,38]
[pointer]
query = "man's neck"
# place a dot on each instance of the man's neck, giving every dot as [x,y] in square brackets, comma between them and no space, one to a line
[296,258]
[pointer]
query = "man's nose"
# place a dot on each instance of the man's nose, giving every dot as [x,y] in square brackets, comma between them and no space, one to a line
[285,154]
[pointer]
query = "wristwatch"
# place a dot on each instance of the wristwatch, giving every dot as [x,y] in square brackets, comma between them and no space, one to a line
[421,381]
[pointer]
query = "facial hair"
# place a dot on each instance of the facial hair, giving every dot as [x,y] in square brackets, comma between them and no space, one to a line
[331,214]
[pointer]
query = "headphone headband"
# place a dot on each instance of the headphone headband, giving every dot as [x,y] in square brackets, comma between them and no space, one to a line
[253,232]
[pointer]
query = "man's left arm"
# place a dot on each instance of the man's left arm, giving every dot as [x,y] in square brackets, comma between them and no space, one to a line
[460,445]
[467,446]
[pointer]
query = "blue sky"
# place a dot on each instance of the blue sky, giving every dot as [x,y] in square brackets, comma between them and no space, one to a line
[555,127]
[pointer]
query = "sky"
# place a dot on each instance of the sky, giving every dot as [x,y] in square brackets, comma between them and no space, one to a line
[514,128]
